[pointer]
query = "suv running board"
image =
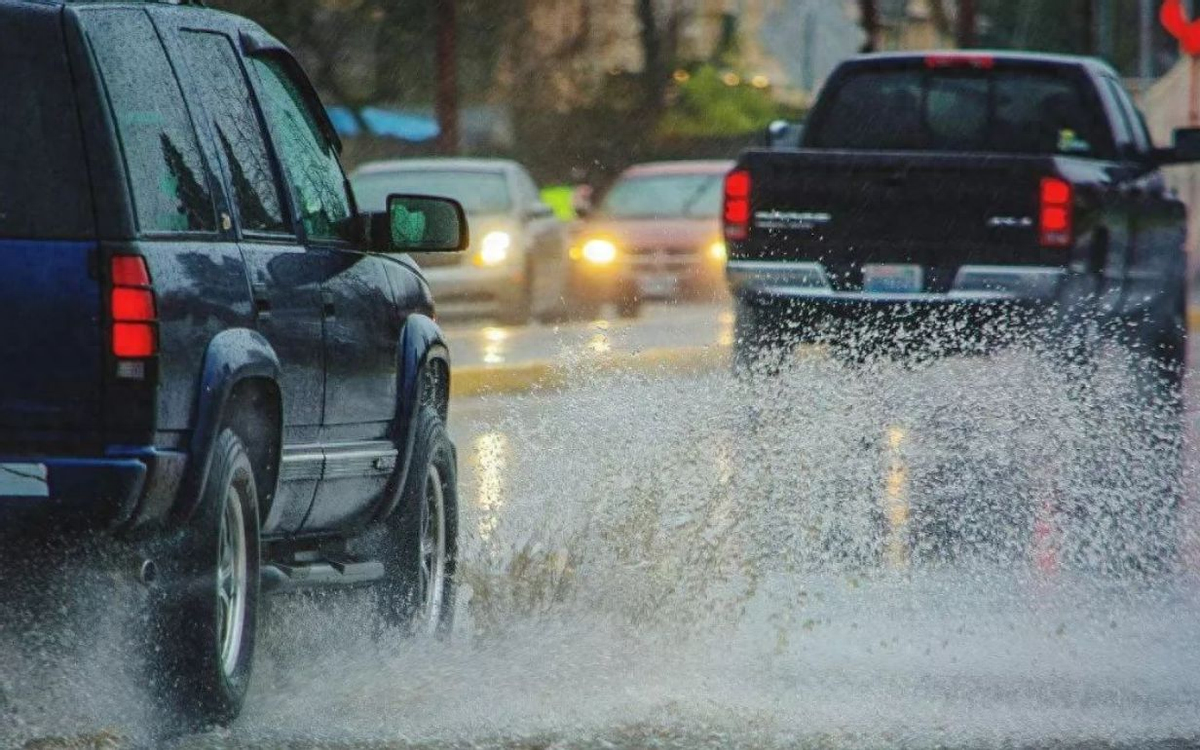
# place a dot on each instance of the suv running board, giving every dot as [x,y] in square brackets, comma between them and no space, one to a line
[290,576]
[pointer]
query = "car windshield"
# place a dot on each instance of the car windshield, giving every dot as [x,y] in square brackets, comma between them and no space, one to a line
[665,196]
[479,192]
[1005,111]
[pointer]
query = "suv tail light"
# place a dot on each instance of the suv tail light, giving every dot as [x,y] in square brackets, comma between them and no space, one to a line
[132,309]
[1057,212]
[737,205]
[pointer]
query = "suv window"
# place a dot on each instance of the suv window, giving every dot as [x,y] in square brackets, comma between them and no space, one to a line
[166,172]
[317,183]
[239,137]
[1027,111]
[44,189]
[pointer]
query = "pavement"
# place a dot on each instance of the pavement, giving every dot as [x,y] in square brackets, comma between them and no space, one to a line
[492,359]
[680,337]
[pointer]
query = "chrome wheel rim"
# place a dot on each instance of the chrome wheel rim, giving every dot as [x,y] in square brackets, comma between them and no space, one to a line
[231,582]
[432,568]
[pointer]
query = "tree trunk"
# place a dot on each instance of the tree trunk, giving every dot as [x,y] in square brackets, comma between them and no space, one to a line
[446,102]
[653,75]
[967,24]
[869,13]
[1089,26]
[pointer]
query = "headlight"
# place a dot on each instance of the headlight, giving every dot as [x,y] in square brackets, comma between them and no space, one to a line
[599,252]
[494,249]
[717,251]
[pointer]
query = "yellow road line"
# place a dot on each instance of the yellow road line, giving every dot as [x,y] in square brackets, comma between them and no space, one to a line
[524,377]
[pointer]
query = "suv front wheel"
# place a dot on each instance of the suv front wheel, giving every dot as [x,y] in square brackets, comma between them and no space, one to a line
[419,540]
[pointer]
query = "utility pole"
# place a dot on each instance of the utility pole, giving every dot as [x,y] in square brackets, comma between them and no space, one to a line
[869,18]
[967,24]
[1089,26]
[1104,18]
[446,97]
[1146,41]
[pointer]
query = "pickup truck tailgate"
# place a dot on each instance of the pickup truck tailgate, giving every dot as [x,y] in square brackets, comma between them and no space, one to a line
[841,207]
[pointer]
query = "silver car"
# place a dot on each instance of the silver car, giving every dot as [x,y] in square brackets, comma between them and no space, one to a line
[517,266]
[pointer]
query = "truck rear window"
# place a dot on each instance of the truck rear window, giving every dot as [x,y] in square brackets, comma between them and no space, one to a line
[1013,111]
[44,191]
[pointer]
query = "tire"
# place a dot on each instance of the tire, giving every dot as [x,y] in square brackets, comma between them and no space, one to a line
[420,543]
[206,604]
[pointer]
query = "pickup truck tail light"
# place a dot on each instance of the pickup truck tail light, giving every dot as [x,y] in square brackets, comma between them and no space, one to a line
[1057,212]
[132,308]
[737,205]
[953,60]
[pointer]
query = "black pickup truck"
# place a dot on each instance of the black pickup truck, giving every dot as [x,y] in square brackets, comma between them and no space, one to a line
[972,185]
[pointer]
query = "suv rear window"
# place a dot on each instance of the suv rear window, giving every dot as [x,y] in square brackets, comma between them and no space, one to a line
[44,191]
[166,173]
[1016,111]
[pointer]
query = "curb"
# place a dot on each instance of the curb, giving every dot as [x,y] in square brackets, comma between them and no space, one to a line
[498,380]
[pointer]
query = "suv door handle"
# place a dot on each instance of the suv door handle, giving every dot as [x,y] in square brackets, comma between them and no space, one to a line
[328,309]
[262,300]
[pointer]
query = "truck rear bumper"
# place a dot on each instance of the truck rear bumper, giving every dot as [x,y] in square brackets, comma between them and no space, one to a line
[987,285]
[123,489]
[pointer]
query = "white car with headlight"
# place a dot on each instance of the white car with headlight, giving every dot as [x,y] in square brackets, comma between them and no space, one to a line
[518,265]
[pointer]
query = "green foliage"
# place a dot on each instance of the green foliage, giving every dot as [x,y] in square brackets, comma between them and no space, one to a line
[709,106]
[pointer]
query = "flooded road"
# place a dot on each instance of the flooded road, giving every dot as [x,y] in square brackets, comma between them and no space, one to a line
[951,554]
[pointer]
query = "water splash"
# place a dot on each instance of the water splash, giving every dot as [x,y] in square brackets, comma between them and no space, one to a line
[960,552]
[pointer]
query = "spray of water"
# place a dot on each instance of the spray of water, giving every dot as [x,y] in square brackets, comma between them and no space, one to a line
[971,551]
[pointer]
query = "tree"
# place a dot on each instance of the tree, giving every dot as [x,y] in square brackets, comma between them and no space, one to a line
[967,24]
[869,18]
[660,23]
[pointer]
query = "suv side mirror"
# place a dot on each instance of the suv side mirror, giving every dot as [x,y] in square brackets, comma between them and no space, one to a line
[420,224]
[1186,149]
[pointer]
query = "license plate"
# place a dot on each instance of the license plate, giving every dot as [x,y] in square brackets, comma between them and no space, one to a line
[658,285]
[893,278]
[24,480]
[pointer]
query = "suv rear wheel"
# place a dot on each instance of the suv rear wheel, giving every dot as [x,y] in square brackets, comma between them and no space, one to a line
[206,608]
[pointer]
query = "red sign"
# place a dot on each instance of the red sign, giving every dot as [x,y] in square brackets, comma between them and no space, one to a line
[1175,18]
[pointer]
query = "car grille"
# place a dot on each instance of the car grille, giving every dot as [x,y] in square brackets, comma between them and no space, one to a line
[664,258]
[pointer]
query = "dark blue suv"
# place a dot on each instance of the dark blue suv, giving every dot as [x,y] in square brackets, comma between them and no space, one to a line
[209,352]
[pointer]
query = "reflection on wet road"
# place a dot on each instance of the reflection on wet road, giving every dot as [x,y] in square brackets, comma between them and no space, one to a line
[661,325]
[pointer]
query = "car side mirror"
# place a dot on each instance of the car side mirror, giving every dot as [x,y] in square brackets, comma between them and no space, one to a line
[420,224]
[1186,149]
